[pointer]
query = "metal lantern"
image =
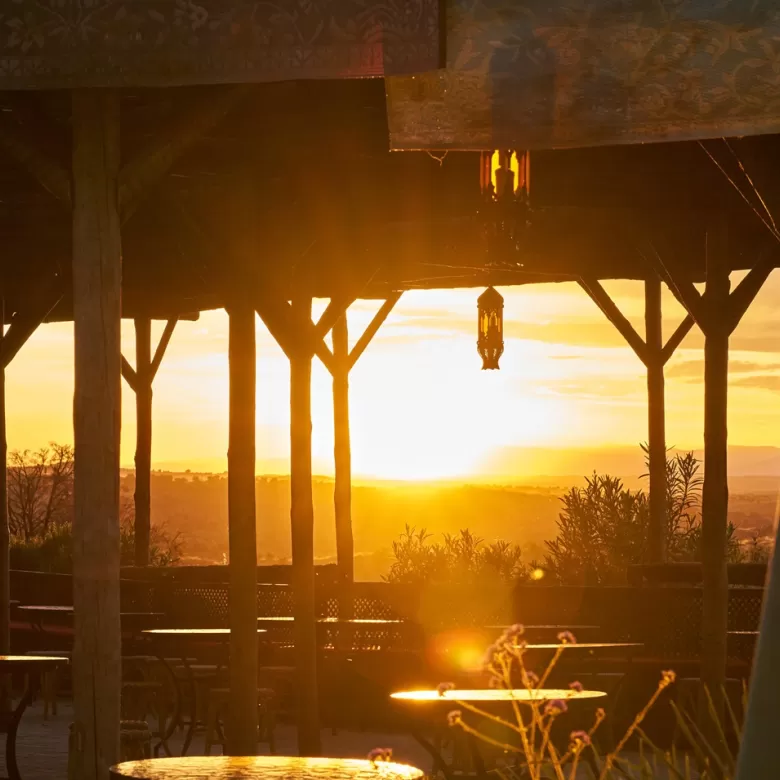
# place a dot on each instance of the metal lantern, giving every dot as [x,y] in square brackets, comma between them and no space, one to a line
[490,335]
[505,178]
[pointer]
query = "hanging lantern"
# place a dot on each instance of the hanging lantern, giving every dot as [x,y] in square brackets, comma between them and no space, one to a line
[490,335]
[505,178]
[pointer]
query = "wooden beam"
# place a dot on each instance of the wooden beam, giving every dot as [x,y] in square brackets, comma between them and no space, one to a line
[302,522]
[242,723]
[373,327]
[22,147]
[715,489]
[5,549]
[24,324]
[601,298]
[143,440]
[683,329]
[97,283]
[342,456]
[128,372]
[656,422]
[151,164]
[162,345]
[746,291]
[336,308]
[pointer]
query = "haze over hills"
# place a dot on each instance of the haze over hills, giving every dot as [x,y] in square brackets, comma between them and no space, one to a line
[519,509]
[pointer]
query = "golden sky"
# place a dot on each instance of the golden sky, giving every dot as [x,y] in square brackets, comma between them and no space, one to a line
[420,405]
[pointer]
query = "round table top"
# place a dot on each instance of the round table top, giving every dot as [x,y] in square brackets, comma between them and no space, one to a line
[497,695]
[533,627]
[586,646]
[203,633]
[274,767]
[335,620]
[10,663]
[743,633]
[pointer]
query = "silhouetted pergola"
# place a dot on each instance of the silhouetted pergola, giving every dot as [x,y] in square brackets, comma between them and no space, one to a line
[252,173]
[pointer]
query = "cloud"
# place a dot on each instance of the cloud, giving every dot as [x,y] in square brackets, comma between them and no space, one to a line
[760,382]
[694,369]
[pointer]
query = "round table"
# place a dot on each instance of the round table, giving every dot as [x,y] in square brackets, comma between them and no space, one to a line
[180,638]
[266,767]
[484,698]
[33,667]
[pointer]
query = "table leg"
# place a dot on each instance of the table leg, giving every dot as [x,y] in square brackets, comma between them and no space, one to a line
[13,726]
[193,707]
[175,717]
[439,764]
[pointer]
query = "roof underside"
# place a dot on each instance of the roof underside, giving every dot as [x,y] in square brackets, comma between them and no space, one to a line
[296,190]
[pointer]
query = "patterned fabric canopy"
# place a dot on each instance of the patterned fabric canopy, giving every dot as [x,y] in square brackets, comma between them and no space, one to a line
[566,73]
[47,44]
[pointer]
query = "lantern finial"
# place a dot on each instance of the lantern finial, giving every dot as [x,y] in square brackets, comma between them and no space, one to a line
[490,327]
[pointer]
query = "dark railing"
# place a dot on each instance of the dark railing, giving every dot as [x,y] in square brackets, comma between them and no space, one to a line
[665,618]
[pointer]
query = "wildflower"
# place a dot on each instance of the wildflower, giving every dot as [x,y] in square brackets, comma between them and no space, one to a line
[668,677]
[555,707]
[576,686]
[442,688]
[454,718]
[579,738]
[531,679]
[490,654]
[495,681]
[600,714]
[513,631]
[567,638]
[380,754]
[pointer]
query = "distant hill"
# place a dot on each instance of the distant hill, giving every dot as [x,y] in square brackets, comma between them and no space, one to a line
[549,464]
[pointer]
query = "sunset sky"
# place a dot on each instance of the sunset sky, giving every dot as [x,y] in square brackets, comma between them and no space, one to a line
[421,407]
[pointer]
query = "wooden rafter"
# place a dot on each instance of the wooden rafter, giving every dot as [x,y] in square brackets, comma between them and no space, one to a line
[745,292]
[674,341]
[162,345]
[21,134]
[24,324]
[335,309]
[129,374]
[601,298]
[21,145]
[144,170]
[373,327]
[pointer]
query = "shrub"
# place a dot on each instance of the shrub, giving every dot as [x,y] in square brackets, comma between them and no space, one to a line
[460,558]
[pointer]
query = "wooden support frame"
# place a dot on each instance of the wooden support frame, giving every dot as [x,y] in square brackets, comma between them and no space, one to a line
[140,380]
[242,532]
[717,313]
[654,354]
[23,134]
[97,275]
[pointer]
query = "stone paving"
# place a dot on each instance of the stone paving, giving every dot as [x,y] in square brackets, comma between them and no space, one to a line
[43,745]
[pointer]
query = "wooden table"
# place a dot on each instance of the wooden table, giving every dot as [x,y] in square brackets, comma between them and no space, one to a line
[38,614]
[178,641]
[485,698]
[33,667]
[265,767]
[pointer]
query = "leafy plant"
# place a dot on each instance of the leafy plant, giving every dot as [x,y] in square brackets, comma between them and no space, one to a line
[603,527]
[460,558]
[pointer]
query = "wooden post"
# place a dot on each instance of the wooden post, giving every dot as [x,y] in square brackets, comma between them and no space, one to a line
[143,439]
[97,273]
[342,492]
[656,424]
[302,525]
[715,491]
[242,724]
[5,538]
